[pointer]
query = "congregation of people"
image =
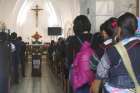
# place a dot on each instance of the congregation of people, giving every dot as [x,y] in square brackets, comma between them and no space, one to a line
[12,60]
[85,62]
[91,61]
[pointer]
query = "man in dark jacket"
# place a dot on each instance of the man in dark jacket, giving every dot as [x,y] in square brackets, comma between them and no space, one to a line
[15,57]
[4,63]
[22,54]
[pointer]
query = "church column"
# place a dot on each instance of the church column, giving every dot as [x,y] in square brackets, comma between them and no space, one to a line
[88,7]
[137,7]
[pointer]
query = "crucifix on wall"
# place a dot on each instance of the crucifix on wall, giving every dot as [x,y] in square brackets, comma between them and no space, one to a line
[37,10]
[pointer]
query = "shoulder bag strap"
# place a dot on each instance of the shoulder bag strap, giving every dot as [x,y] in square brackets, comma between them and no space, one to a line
[127,63]
[79,40]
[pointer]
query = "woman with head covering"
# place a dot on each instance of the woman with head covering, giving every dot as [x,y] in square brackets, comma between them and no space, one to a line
[5,57]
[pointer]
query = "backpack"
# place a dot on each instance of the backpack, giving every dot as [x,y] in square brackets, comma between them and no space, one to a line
[81,72]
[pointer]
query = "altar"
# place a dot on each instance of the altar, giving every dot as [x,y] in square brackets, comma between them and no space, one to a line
[36,53]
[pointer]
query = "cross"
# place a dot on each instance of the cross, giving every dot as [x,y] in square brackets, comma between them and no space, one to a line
[36,10]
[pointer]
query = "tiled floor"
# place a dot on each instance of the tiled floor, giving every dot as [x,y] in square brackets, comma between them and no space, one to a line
[45,84]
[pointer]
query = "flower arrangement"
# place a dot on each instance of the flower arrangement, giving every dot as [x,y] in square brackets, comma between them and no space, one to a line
[36,36]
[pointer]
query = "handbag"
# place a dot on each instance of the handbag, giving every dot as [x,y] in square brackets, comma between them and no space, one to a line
[127,63]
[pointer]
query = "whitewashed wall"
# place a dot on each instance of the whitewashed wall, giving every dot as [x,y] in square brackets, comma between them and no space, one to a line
[106,9]
[139,7]
[122,6]
[88,7]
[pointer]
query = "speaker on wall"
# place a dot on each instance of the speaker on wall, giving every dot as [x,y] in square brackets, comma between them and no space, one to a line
[54,31]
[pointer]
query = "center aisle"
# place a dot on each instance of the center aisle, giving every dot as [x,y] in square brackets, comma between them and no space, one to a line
[46,84]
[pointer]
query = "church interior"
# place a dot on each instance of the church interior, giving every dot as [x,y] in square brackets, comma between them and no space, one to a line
[40,24]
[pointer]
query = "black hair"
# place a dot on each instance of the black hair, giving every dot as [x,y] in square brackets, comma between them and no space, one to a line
[13,35]
[128,23]
[52,42]
[102,27]
[60,38]
[81,24]
[109,26]
[97,40]
[19,38]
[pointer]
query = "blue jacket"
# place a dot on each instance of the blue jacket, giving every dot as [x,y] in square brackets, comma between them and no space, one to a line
[114,70]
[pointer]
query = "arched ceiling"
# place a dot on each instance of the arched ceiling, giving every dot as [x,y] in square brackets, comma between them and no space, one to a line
[18,16]
[12,8]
